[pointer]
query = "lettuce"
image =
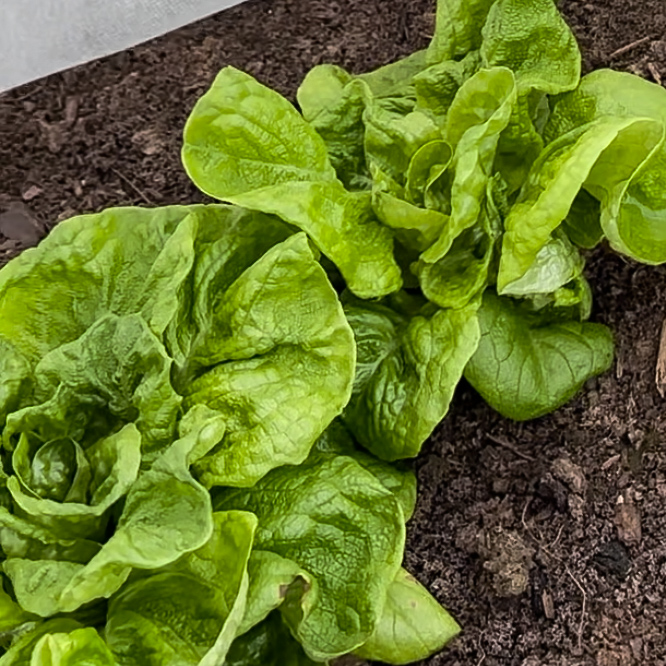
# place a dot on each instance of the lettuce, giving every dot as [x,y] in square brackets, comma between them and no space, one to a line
[203,409]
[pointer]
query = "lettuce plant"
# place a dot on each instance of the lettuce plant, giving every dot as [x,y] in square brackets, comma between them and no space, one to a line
[203,408]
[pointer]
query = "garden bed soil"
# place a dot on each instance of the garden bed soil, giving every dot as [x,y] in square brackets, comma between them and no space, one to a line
[547,540]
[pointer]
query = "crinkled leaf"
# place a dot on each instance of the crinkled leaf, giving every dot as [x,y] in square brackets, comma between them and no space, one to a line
[480,112]
[531,38]
[231,155]
[526,366]
[396,477]
[81,647]
[630,178]
[190,612]
[413,625]
[458,28]
[336,507]
[461,275]
[333,102]
[277,340]
[164,500]
[407,370]
[121,261]
[117,371]
[113,467]
[579,157]
[20,652]
[437,86]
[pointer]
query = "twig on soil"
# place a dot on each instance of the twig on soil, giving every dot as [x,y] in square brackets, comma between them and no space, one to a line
[655,72]
[511,447]
[584,608]
[135,187]
[628,47]
[660,374]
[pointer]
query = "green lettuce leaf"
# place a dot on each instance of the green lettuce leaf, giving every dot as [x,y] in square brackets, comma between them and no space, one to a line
[578,157]
[527,366]
[480,112]
[531,38]
[188,613]
[229,154]
[48,476]
[117,372]
[437,86]
[333,102]
[165,500]
[458,28]
[274,340]
[460,276]
[303,513]
[630,178]
[268,644]
[81,647]
[413,625]
[20,652]
[395,477]
[407,370]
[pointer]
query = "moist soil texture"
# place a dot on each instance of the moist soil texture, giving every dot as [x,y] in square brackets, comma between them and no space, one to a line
[546,540]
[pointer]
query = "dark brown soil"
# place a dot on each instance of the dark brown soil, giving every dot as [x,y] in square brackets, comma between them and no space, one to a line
[572,507]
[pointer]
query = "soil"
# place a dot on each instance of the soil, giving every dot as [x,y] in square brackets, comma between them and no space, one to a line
[547,540]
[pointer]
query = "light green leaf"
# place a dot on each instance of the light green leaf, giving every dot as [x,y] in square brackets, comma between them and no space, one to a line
[630,178]
[230,155]
[117,371]
[396,477]
[82,647]
[557,263]
[407,370]
[243,136]
[332,507]
[121,261]
[20,652]
[436,86]
[190,612]
[395,79]
[333,102]
[12,615]
[480,112]
[531,38]
[579,157]
[458,28]
[271,576]
[276,340]
[413,625]
[164,500]
[461,275]
[392,139]
[113,464]
[526,366]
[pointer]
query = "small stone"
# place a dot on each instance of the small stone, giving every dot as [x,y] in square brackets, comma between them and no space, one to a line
[628,520]
[31,193]
[571,474]
[19,224]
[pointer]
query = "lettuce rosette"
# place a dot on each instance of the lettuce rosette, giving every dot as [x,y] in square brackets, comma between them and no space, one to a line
[168,379]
